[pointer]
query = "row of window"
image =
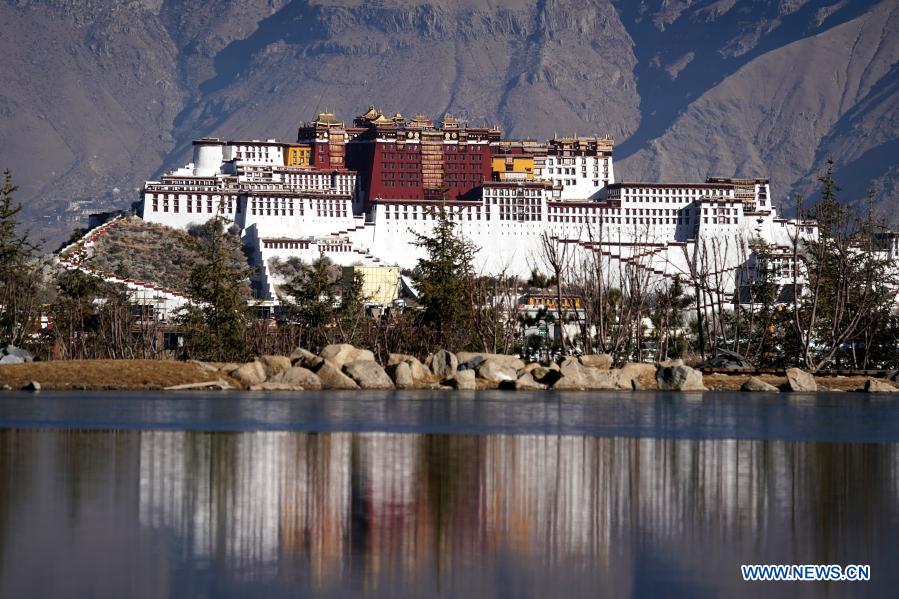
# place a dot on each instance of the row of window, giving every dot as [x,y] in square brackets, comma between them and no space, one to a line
[285,245]
[618,220]
[330,208]
[274,207]
[645,194]
[551,161]
[453,215]
[191,182]
[506,191]
[192,206]
[720,211]
[187,196]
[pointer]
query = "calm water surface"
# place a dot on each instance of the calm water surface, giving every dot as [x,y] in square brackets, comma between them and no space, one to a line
[421,495]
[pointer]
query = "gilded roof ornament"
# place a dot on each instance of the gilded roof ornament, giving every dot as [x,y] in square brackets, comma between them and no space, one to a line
[380,120]
[371,114]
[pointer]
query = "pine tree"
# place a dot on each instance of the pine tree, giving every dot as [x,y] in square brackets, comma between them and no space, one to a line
[19,270]
[309,298]
[216,320]
[327,307]
[443,279]
[848,281]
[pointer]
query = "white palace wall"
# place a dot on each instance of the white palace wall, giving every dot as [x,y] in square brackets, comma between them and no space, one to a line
[663,230]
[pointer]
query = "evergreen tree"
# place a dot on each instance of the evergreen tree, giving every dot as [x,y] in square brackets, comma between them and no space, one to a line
[19,270]
[669,305]
[443,278]
[327,307]
[849,280]
[215,322]
[763,332]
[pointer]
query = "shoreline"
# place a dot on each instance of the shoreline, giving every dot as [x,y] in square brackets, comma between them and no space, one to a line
[159,375]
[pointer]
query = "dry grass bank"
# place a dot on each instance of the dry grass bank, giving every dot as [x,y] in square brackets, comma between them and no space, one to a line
[105,374]
[733,382]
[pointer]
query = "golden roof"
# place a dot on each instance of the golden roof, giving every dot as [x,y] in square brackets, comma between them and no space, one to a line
[381,121]
[371,114]
[327,118]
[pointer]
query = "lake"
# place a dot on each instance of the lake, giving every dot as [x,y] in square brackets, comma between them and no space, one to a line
[423,494]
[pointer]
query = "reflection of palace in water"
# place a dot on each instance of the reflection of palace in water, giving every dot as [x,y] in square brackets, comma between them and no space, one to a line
[345,514]
[407,506]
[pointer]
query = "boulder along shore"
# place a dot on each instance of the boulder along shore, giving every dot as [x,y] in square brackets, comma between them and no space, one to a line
[344,367]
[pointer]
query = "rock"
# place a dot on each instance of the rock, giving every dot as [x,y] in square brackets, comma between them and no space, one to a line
[368,374]
[5,388]
[443,364]
[503,359]
[679,378]
[204,366]
[756,384]
[602,361]
[273,386]
[394,359]
[274,365]
[800,381]
[402,375]
[251,373]
[495,372]
[463,380]
[894,375]
[342,353]
[420,373]
[576,376]
[636,375]
[217,384]
[11,360]
[299,377]
[471,363]
[332,378]
[32,386]
[12,350]
[600,380]
[227,367]
[545,375]
[305,358]
[674,362]
[878,386]
[571,375]
[724,358]
[569,383]
[526,382]
[570,366]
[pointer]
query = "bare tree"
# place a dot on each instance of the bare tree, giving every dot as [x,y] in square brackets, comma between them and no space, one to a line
[555,254]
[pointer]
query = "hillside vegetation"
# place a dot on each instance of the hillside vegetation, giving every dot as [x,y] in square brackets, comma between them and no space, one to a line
[135,249]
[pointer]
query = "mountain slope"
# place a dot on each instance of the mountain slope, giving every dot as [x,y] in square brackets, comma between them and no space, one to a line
[785,112]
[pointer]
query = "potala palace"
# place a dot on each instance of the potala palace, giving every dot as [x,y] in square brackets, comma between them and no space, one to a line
[357,194]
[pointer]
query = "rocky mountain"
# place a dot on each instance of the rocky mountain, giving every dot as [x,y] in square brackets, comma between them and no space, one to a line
[97,96]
